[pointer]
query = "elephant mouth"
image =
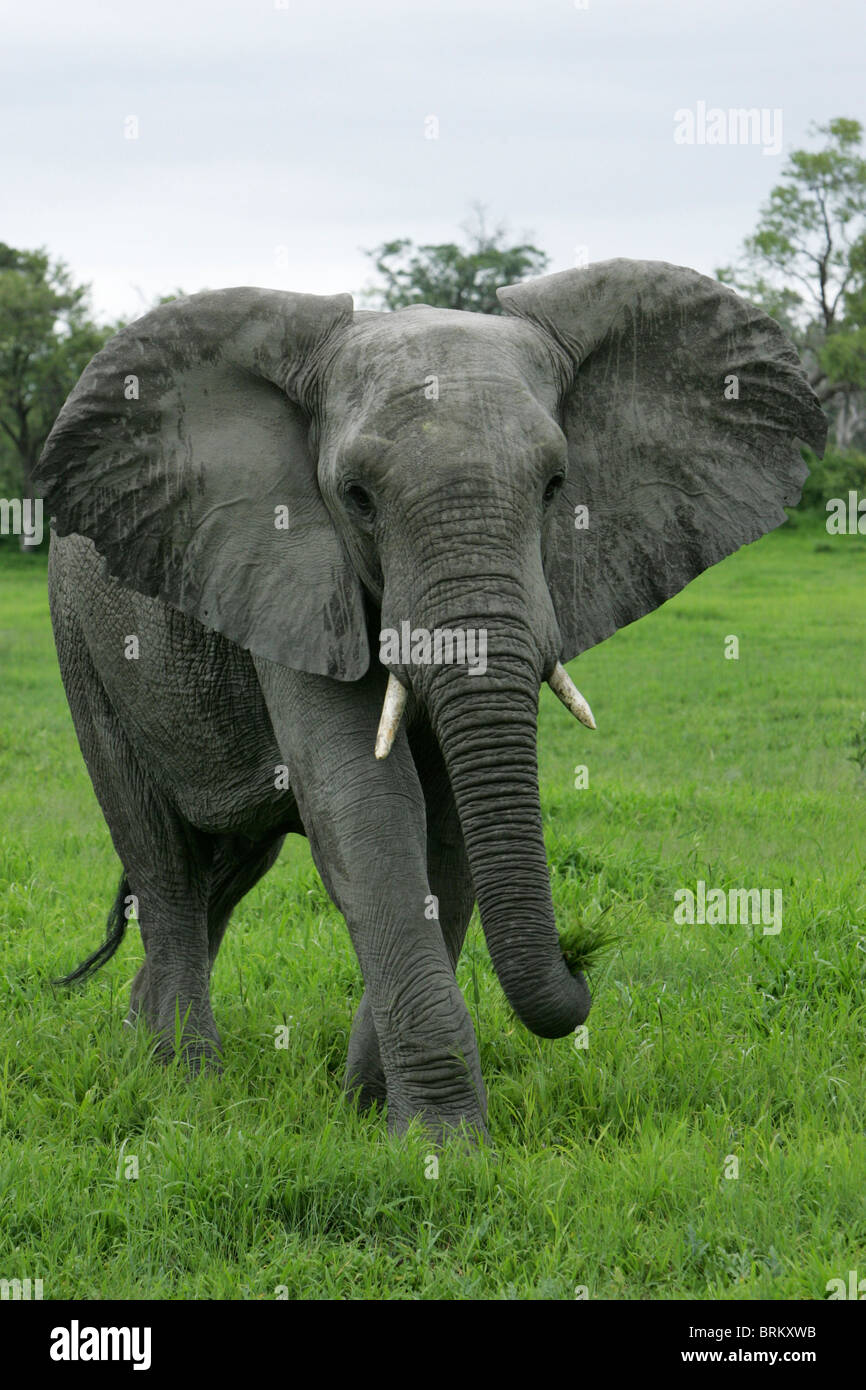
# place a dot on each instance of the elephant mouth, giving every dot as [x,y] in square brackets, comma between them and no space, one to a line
[396,696]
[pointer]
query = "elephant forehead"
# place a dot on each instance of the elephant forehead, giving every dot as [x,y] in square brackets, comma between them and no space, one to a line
[498,433]
[422,352]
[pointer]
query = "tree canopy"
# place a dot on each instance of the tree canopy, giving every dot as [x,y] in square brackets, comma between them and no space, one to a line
[806,265]
[47,337]
[449,275]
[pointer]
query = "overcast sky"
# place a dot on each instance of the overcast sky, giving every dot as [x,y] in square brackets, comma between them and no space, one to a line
[278,139]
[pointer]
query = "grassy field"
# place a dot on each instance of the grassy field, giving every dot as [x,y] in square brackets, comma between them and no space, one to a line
[608,1169]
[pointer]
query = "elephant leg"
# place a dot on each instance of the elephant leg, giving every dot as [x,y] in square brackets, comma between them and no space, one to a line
[366,824]
[168,869]
[450,883]
[238,865]
[167,864]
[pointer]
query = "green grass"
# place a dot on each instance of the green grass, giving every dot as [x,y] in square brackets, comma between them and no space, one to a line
[607,1166]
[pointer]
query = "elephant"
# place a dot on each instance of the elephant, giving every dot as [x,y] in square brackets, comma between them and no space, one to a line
[267,510]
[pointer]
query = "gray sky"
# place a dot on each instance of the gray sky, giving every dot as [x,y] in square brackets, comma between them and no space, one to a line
[278,139]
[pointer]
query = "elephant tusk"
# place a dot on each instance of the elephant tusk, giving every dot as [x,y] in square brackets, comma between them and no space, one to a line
[392,713]
[565,690]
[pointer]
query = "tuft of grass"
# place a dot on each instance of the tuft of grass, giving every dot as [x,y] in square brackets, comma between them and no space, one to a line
[583,946]
[858,744]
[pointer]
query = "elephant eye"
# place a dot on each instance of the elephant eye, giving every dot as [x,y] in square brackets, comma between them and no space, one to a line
[553,487]
[359,501]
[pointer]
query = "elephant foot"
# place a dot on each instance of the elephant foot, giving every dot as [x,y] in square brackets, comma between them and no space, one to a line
[465,1132]
[462,1121]
[200,1053]
[447,1099]
[138,995]
[466,1129]
[365,1091]
[365,1076]
[182,1029]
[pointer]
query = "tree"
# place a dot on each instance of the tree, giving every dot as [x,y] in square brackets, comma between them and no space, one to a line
[450,276]
[806,265]
[47,338]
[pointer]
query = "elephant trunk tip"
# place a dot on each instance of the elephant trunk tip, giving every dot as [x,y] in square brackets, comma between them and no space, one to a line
[553,1012]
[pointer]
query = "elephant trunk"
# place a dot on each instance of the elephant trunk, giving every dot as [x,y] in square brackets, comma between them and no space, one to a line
[486,726]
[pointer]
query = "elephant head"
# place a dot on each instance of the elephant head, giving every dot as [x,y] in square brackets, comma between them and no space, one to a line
[301,478]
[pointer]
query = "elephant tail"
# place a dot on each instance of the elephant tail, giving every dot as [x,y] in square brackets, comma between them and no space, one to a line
[115,928]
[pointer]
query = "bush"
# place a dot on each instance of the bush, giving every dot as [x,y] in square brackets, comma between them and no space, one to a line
[839,472]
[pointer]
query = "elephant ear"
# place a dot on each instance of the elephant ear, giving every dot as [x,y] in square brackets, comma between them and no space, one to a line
[183,454]
[681,405]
